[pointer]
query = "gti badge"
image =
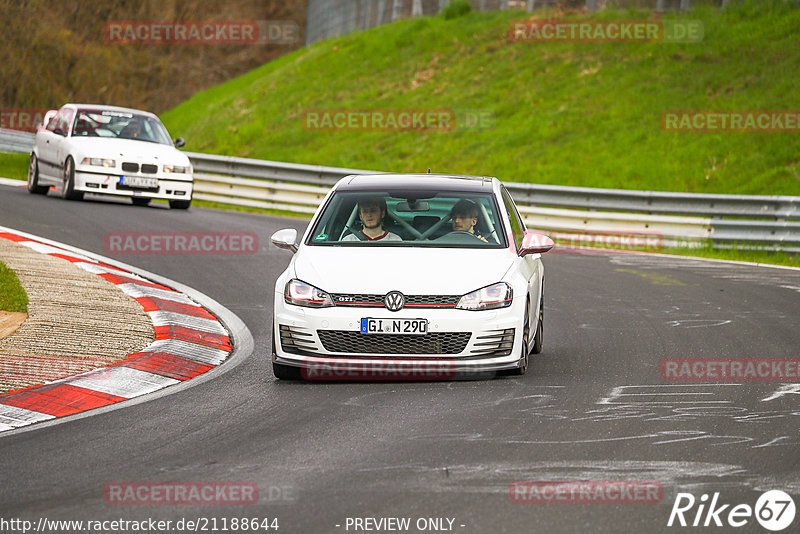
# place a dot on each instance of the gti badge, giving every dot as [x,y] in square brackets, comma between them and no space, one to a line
[394,301]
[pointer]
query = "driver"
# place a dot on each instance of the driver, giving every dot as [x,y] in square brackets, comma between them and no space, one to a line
[132,130]
[372,211]
[464,217]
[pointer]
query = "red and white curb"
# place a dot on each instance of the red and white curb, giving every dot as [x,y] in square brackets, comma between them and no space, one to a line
[189,341]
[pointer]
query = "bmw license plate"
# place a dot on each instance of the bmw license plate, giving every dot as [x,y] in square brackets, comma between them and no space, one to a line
[394,326]
[139,181]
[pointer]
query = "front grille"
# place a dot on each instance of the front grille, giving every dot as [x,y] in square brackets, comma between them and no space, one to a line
[127,166]
[412,301]
[494,343]
[350,342]
[148,168]
[295,340]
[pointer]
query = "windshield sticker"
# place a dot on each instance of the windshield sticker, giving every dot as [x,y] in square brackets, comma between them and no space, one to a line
[118,114]
[321,237]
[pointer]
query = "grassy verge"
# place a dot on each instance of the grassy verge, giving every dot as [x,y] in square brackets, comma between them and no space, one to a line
[12,296]
[755,256]
[582,113]
[14,166]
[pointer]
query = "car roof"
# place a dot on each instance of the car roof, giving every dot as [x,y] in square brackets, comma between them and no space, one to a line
[103,107]
[424,182]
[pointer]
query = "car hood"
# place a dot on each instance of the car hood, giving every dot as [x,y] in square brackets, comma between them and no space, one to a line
[138,151]
[412,271]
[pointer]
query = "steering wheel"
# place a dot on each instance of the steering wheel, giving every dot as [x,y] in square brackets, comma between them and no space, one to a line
[462,232]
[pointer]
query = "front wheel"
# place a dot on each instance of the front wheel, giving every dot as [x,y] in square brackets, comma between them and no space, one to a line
[33,178]
[523,357]
[180,204]
[68,187]
[538,340]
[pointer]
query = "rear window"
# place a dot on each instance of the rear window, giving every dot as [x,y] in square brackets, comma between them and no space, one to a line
[409,219]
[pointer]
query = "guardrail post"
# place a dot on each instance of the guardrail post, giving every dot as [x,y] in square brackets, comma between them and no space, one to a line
[381,11]
[531,5]
[591,6]
[397,10]
[416,8]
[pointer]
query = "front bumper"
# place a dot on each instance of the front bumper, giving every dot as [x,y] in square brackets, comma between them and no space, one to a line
[169,188]
[458,341]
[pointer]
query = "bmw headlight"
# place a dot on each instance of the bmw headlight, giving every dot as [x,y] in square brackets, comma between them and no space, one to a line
[177,169]
[98,162]
[302,294]
[491,297]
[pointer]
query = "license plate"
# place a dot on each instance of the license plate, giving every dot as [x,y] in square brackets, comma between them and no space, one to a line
[394,326]
[139,181]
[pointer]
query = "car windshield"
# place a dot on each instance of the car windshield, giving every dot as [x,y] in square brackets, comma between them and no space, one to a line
[409,219]
[120,125]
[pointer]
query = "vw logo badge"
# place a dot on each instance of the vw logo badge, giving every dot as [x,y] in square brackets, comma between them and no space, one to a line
[394,301]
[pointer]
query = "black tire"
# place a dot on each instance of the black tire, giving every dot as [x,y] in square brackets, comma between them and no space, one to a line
[140,201]
[523,357]
[68,187]
[33,178]
[538,340]
[180,204]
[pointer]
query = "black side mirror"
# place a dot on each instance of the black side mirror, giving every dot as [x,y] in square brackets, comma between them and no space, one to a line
[179,142]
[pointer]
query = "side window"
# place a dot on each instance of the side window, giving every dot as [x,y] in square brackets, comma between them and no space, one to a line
[61,120]
[517,226]
[53,124]
[66,120]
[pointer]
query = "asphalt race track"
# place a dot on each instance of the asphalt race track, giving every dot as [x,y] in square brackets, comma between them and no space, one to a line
[593,407]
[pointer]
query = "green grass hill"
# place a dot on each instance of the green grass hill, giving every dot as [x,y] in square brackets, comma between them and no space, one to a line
[586,114]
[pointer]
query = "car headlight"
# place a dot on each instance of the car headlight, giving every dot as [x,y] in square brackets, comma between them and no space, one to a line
[177,169]
[491,297]
[98,162]
[302,294]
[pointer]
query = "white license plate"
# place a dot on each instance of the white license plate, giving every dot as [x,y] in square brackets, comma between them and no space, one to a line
[394,326]
[139,181]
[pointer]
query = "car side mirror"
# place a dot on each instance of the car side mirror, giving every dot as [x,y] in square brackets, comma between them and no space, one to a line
[535,243]
[285,239]
[179,142]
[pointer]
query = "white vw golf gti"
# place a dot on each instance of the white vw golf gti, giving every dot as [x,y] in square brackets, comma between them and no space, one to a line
[408,277]
[110,150]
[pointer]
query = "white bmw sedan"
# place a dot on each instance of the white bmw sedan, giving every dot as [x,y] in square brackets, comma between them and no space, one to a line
[410,277]
[110,150]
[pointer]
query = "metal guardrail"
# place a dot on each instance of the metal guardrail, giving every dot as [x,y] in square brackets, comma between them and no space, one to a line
[572,213]
[13,141]
[676,218]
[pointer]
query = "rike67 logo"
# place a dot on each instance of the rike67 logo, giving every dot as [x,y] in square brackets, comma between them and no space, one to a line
[774,511]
